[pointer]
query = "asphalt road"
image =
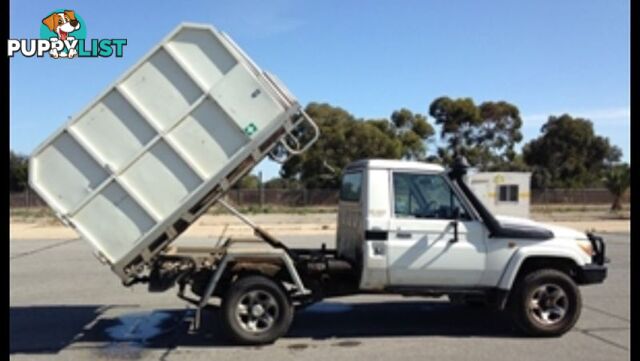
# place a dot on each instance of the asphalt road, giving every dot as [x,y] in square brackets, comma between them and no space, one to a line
[67,306]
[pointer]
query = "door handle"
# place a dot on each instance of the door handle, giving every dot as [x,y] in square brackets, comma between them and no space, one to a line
[403,234]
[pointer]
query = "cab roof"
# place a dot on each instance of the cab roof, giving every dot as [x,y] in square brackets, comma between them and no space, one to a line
[395,164]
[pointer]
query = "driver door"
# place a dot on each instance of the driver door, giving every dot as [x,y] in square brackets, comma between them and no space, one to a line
[423,249]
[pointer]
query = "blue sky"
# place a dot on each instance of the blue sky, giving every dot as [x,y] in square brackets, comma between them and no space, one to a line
[546,57]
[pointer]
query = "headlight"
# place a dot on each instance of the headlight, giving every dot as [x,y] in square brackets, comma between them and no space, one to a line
[586,246]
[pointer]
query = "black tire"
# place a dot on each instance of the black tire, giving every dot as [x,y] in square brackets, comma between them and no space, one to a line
[236,320]
[536,294]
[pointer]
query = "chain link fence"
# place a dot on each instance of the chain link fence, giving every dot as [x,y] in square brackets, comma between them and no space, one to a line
[329,197]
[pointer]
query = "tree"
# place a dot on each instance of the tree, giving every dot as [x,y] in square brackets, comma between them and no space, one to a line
[457,119]
[413,130]
[249,181]
[568,154]
[516,164]
[345,139]
[18,172]
[617,180]
[499,133]
[486,134]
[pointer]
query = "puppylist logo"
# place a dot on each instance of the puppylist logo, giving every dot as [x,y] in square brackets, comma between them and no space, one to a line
[63,35]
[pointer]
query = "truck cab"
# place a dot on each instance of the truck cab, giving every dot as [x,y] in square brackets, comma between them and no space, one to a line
[416,228]
[397,220]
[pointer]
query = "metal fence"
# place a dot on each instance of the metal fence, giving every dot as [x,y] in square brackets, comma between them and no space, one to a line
[26,199]
[574,196]
[241,197]
[329,197]
[284,197]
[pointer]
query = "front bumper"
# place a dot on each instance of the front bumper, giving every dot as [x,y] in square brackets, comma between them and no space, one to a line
[596,271]
[592,273]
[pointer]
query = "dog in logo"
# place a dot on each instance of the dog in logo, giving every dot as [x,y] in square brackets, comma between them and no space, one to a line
[62,24]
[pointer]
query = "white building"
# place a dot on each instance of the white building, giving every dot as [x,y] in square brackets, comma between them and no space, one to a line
[503,193]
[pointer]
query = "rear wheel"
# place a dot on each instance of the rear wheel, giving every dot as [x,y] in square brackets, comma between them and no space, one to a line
[256,310]
[546,302]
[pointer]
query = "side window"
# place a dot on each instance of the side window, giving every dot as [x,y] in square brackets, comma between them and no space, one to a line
[425,196]
[508,193]
[406,203]
[351,187]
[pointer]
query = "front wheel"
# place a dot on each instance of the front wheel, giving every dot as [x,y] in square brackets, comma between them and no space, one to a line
[256,310]
[546,302]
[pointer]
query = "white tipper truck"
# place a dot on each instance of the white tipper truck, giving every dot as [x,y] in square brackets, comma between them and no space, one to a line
[162,144]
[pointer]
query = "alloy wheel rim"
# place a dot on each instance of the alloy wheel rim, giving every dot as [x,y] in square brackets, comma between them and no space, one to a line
[548,304]
[257,311]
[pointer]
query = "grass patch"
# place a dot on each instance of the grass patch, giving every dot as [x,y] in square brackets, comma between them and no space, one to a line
[579,212]
[44,214]
[273,209]
[32,215]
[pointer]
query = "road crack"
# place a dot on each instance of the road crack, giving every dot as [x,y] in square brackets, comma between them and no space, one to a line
[587,332]
[607,313]
[38,250]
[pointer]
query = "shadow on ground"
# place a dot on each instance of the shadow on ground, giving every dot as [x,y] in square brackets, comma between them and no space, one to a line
[49,329]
